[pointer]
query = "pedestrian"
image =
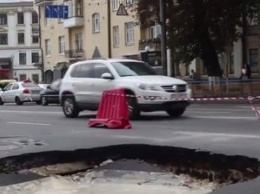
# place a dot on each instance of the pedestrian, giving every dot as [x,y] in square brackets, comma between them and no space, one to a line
[245,77]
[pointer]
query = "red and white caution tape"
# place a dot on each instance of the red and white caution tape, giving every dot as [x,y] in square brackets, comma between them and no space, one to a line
[255,109]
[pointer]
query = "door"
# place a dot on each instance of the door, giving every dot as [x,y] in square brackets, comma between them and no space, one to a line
[6,93]
[100,84]
[53,92]
[83,83]
[13,92]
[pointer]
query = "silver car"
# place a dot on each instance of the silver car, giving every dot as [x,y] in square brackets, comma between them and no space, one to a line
[20,92]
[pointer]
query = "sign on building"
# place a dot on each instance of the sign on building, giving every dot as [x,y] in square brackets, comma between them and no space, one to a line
[57,11]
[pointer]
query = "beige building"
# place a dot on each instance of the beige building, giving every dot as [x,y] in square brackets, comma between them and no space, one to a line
[85,35]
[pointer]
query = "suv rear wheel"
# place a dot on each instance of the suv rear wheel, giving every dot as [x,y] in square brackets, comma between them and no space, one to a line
[69,107]
[1,101]
[175,112]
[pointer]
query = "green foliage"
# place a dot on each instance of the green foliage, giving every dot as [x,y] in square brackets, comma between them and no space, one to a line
[190,19]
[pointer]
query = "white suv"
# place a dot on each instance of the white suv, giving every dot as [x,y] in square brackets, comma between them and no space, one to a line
[84,83]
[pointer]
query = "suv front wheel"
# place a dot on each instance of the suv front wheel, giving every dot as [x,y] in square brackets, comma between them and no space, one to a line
[174,112]
[69,107]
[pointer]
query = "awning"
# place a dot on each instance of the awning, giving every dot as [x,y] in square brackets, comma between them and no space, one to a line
[4,70]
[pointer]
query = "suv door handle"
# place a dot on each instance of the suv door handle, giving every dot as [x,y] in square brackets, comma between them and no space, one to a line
[91,84]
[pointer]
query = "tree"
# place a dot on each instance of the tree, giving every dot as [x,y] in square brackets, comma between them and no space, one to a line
[200,28]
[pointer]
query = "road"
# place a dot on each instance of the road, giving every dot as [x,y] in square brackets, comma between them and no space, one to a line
[229,129]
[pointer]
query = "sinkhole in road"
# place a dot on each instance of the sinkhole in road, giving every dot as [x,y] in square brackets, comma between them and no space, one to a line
[139,168]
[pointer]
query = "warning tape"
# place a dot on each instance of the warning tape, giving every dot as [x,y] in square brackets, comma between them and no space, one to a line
[167,98]
[255,109]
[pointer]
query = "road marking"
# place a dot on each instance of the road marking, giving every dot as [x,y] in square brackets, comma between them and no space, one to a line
[213,109]
[25,123]
[28,112]
[209,112]
[203,134]
[225,118]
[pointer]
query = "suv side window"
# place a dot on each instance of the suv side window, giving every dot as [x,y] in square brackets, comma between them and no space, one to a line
[99,69]
[15,87]
[83,71]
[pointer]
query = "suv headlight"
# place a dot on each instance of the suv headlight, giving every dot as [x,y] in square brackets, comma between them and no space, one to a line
[149,87]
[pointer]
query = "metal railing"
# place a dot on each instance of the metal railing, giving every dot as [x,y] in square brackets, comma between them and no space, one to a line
[225,88]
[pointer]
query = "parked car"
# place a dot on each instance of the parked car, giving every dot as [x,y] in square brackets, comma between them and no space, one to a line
[43,86]
[51,94]
[85,81]
[20,92]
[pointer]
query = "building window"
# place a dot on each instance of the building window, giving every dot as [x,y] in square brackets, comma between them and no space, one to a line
[79,8]
[116,36]
[96,22]
[129,33]
[20,18]
[35,78]
[48,47]
[35,19]
[35,40]
[115,5]
[3,39]
[22,58]
[79,41]
[155,31]
[20,38]
[61,44]
[129,2]
[22,77]
[253,60]
[35,57]
[3,19]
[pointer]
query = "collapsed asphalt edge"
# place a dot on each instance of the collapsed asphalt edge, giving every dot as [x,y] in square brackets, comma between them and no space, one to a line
[199,164]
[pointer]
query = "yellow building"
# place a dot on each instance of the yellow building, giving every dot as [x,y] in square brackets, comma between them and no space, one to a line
[85,34]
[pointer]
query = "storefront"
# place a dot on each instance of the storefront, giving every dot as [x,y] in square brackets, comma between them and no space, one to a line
[6,69]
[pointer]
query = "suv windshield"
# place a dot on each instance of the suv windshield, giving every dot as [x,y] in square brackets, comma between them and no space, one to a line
[132,68]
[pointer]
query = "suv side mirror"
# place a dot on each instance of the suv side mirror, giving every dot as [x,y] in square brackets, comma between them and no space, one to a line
[48,87]
[107,76]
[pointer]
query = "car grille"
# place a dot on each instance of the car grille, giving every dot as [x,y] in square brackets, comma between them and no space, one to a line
[171,89]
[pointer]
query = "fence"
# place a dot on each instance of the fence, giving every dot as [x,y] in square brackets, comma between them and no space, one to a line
[225,88]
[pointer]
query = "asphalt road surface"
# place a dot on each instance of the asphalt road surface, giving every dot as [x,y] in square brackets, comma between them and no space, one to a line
[229,129]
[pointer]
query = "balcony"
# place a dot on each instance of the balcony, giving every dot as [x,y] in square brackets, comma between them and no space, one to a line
[74,21]
[75,54]
[42,2]
[154,44]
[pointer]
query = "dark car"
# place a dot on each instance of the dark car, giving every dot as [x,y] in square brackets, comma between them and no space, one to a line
[51,94]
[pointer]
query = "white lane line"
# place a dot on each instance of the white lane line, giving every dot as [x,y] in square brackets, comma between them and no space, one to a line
[211,109]
[209,112]
[29,112]
[203,134]
[25,123]
[225,118]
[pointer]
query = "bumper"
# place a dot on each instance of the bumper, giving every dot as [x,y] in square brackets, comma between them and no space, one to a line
[163,106]
[30,98]
[160,98]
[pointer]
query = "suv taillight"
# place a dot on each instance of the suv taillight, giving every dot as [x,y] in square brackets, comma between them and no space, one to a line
[26,91]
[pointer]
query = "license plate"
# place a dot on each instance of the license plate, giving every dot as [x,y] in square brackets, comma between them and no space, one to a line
[179,96]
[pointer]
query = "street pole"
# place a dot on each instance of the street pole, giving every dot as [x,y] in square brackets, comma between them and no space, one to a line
[109,28]
[163,37]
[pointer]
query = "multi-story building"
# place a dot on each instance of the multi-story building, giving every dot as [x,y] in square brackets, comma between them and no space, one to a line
[19,41]
[94,30]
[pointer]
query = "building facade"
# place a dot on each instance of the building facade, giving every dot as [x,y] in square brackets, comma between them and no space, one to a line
[19,40]
[94,30]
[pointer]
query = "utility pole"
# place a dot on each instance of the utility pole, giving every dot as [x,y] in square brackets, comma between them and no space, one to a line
[163,36]
[109,28]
